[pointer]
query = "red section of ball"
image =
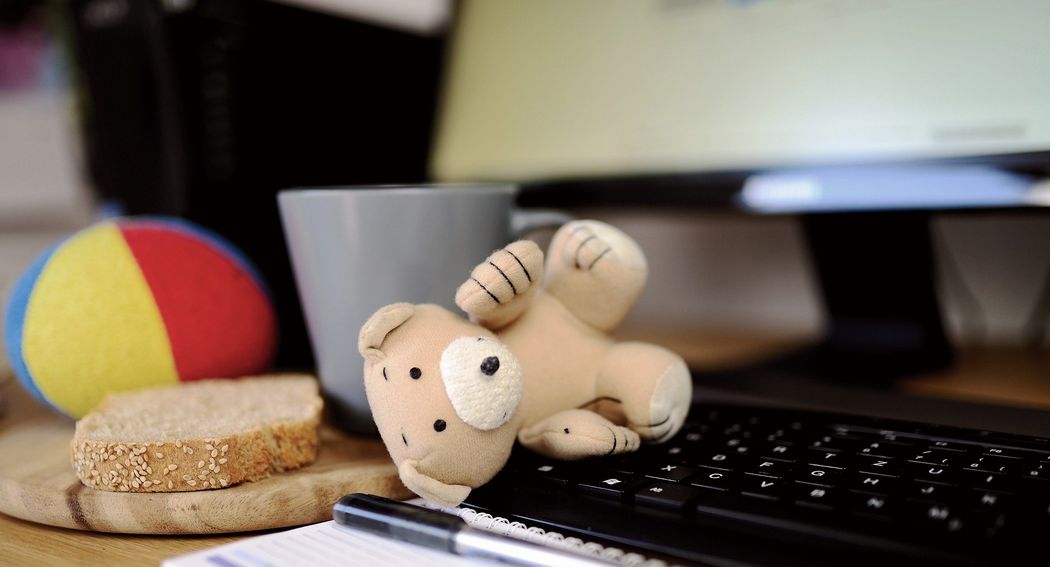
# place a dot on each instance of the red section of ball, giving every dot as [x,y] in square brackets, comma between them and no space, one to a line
[219,322]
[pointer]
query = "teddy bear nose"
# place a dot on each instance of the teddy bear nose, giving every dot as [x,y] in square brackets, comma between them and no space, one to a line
[489,366]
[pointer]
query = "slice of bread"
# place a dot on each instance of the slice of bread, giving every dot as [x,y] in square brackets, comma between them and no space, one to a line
[198,435]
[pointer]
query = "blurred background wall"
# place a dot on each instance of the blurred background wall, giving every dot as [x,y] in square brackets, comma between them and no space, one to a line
[725,272]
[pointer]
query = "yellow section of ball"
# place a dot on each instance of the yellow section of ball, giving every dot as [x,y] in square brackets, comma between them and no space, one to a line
[91,314]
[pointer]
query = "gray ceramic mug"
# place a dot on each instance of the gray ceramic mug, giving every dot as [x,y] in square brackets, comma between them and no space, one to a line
[356,249]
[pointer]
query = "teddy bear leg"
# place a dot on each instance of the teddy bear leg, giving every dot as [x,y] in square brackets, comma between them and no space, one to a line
[596,271]
[578,434]
[500,288]
[652,385]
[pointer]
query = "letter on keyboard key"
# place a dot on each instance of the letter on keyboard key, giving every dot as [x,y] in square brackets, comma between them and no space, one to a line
[826,459]
[664,495]
[931,473]
[766,467]
[761,487]
[873,484]
[724,460]
[780,452]
[988,501]
[877,465]
[872,505]
[929,492]
[937,516]
[670,472]
[713,479]
[818,475]
[820,497]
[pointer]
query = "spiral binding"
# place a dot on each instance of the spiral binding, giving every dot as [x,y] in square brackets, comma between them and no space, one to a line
[533,534]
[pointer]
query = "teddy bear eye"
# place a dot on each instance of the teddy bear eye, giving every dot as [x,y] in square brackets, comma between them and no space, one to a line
[440,425]
[415,373]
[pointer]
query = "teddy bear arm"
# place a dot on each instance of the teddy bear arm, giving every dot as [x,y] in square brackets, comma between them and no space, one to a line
[578,434]
[501,288]
[596,271]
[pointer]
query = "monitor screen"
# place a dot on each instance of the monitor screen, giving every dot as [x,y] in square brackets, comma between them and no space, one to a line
[556,89]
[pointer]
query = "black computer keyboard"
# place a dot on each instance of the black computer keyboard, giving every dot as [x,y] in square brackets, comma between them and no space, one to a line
[745,485]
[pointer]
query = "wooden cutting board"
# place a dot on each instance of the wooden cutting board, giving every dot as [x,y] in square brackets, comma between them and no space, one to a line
[37,483]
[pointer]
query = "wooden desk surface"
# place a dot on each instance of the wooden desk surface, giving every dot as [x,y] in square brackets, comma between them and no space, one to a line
[1003,376]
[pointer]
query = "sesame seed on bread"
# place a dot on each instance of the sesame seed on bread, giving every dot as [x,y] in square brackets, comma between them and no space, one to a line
[198,435]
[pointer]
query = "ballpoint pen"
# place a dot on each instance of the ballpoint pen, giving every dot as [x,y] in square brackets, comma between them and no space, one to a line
[445,532]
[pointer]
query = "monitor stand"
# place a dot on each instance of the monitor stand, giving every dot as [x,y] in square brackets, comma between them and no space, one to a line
[876,273]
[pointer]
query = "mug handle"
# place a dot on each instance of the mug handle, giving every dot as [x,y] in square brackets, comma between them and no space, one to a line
[523,221]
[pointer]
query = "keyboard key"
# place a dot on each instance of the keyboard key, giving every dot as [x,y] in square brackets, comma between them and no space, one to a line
[671,472]
[998,465]
[876,505]
[1005,453]
[665,495]
[1038,471]
[719,460]
[988,501]
[779,435]
[932,457]
[553,474]
[873,483]
[766,467]
[820,497]
[693,437]
[877,465]
[988,481]
[780,451]
[672,452]
[826,459]
[607,485]
[951,447]
[836,443]
[712,479]
[937,516]
[761,487]
[818,475]
[929,492]
[885,449]
[631,464]
[930,473]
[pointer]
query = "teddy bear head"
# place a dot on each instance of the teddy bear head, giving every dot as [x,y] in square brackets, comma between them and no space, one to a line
[444,394]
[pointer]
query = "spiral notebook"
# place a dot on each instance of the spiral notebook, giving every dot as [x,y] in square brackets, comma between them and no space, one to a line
[327,544]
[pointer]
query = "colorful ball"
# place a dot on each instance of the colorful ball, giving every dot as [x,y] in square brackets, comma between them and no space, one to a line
[136,302]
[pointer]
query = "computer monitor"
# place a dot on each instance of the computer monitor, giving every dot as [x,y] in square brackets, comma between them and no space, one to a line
[768,106]
[541,90]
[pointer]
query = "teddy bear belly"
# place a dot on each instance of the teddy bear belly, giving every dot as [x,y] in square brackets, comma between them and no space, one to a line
[561,358]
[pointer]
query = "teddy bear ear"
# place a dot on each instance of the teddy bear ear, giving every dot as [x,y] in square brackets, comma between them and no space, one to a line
[450,495]
[379,325]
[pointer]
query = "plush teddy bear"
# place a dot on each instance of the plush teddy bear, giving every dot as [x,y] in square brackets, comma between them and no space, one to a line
[534,364]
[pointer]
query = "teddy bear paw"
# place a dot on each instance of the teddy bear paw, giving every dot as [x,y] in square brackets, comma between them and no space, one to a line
[506,274]
[669,405]
[600,439]
[589,243]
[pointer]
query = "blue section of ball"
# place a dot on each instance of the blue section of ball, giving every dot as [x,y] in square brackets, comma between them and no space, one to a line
[14,322]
